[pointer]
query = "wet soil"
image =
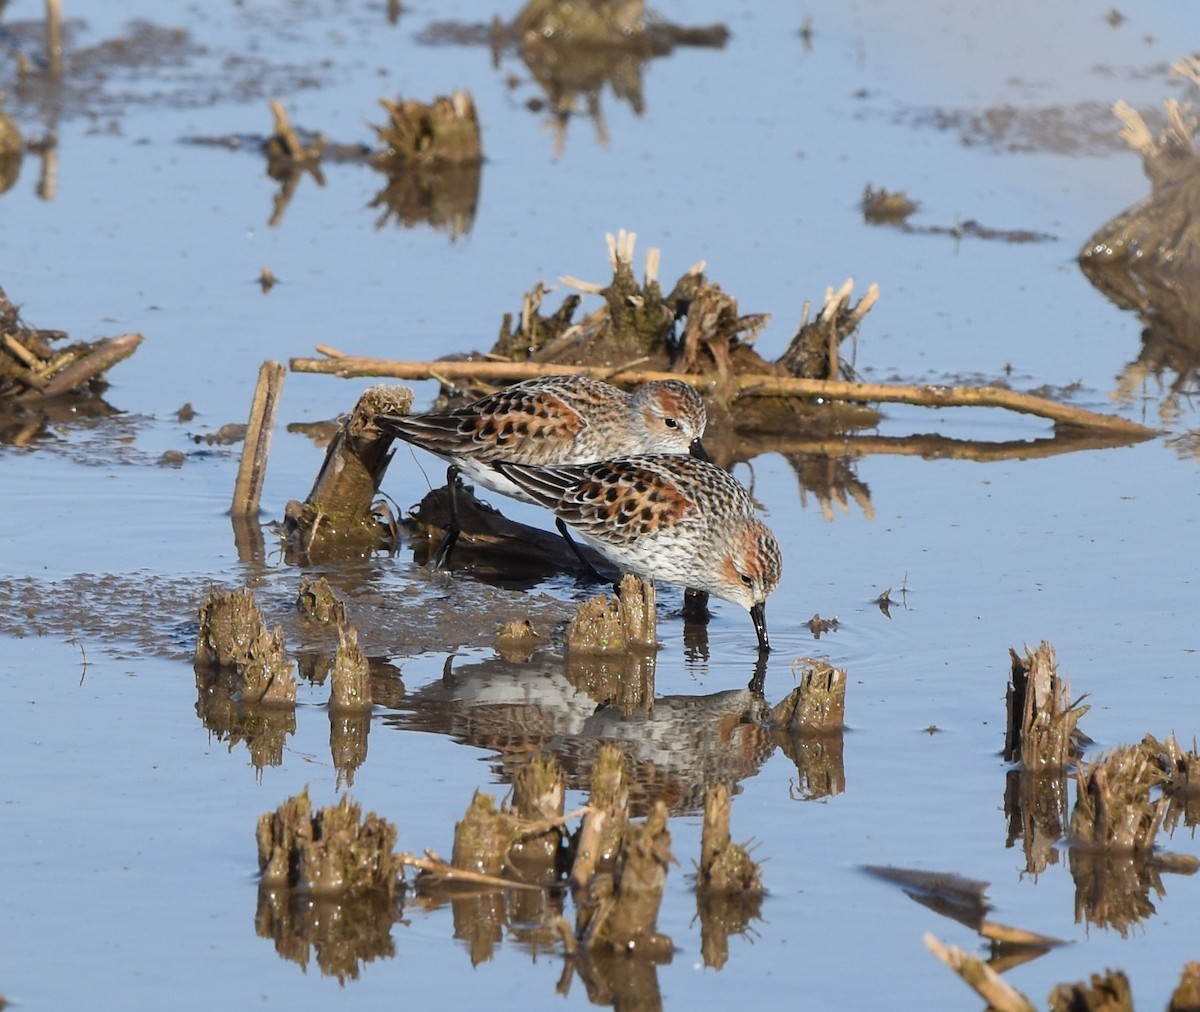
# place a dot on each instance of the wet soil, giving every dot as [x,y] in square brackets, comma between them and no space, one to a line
[156,615]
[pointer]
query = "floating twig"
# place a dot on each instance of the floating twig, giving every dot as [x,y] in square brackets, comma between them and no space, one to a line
[443,870]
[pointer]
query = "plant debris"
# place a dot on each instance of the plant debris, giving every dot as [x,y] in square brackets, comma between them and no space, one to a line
[604,625]
[884,206]
[696,333]
[32,371]
[1147,259]
[317,602]
[1042,720]
[818,704]
[234,638]
[1107,993]
[725,867]
[330,881]
[333,853]
[338,514]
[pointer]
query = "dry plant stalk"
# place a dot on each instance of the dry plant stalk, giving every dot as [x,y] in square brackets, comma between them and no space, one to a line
[252,470]
[1182,770]
[439,871]
[517,640]
[443,132]
[329,886]
[620,912]
[604,626]
[636,609]
[814,352]
[1186,997]
[31,370]
[351,681]
[331,853]
[287,155]
[1147,258]
[339,505]
[536,337]
[483,836]
[234,637]
[1042,720]
[539,791]
[637,328]
[883,205]
[818,704]
[603,826]
[1110,993]
[1113,808]
[1042,737]
[725,866]
[432,157]
[539,796]
[317,602]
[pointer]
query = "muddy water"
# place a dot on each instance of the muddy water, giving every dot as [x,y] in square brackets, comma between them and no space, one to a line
[128,822]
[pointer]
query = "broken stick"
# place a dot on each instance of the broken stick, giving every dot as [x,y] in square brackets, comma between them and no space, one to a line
[247,492]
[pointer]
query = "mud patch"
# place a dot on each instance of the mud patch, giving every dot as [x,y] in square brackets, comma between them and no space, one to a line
[136,614]
[148,65]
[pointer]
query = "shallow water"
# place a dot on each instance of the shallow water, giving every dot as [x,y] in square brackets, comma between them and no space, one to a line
[128,827]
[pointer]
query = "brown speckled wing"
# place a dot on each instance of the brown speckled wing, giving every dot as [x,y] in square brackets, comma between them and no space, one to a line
[513,424]
[617,501]
[622,501]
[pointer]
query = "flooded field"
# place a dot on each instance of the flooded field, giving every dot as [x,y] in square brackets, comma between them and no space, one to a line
[937,539]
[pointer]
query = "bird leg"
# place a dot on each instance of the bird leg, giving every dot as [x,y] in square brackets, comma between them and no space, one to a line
[589,571]
[695,606]
[441,558]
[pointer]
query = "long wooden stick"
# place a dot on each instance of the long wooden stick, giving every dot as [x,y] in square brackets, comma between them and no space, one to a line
[744,385]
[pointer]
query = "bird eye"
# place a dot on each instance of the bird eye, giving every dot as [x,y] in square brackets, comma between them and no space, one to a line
[672,423]
[746,579]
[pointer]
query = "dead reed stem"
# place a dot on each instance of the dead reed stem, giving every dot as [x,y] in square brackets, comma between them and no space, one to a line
[247,492]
